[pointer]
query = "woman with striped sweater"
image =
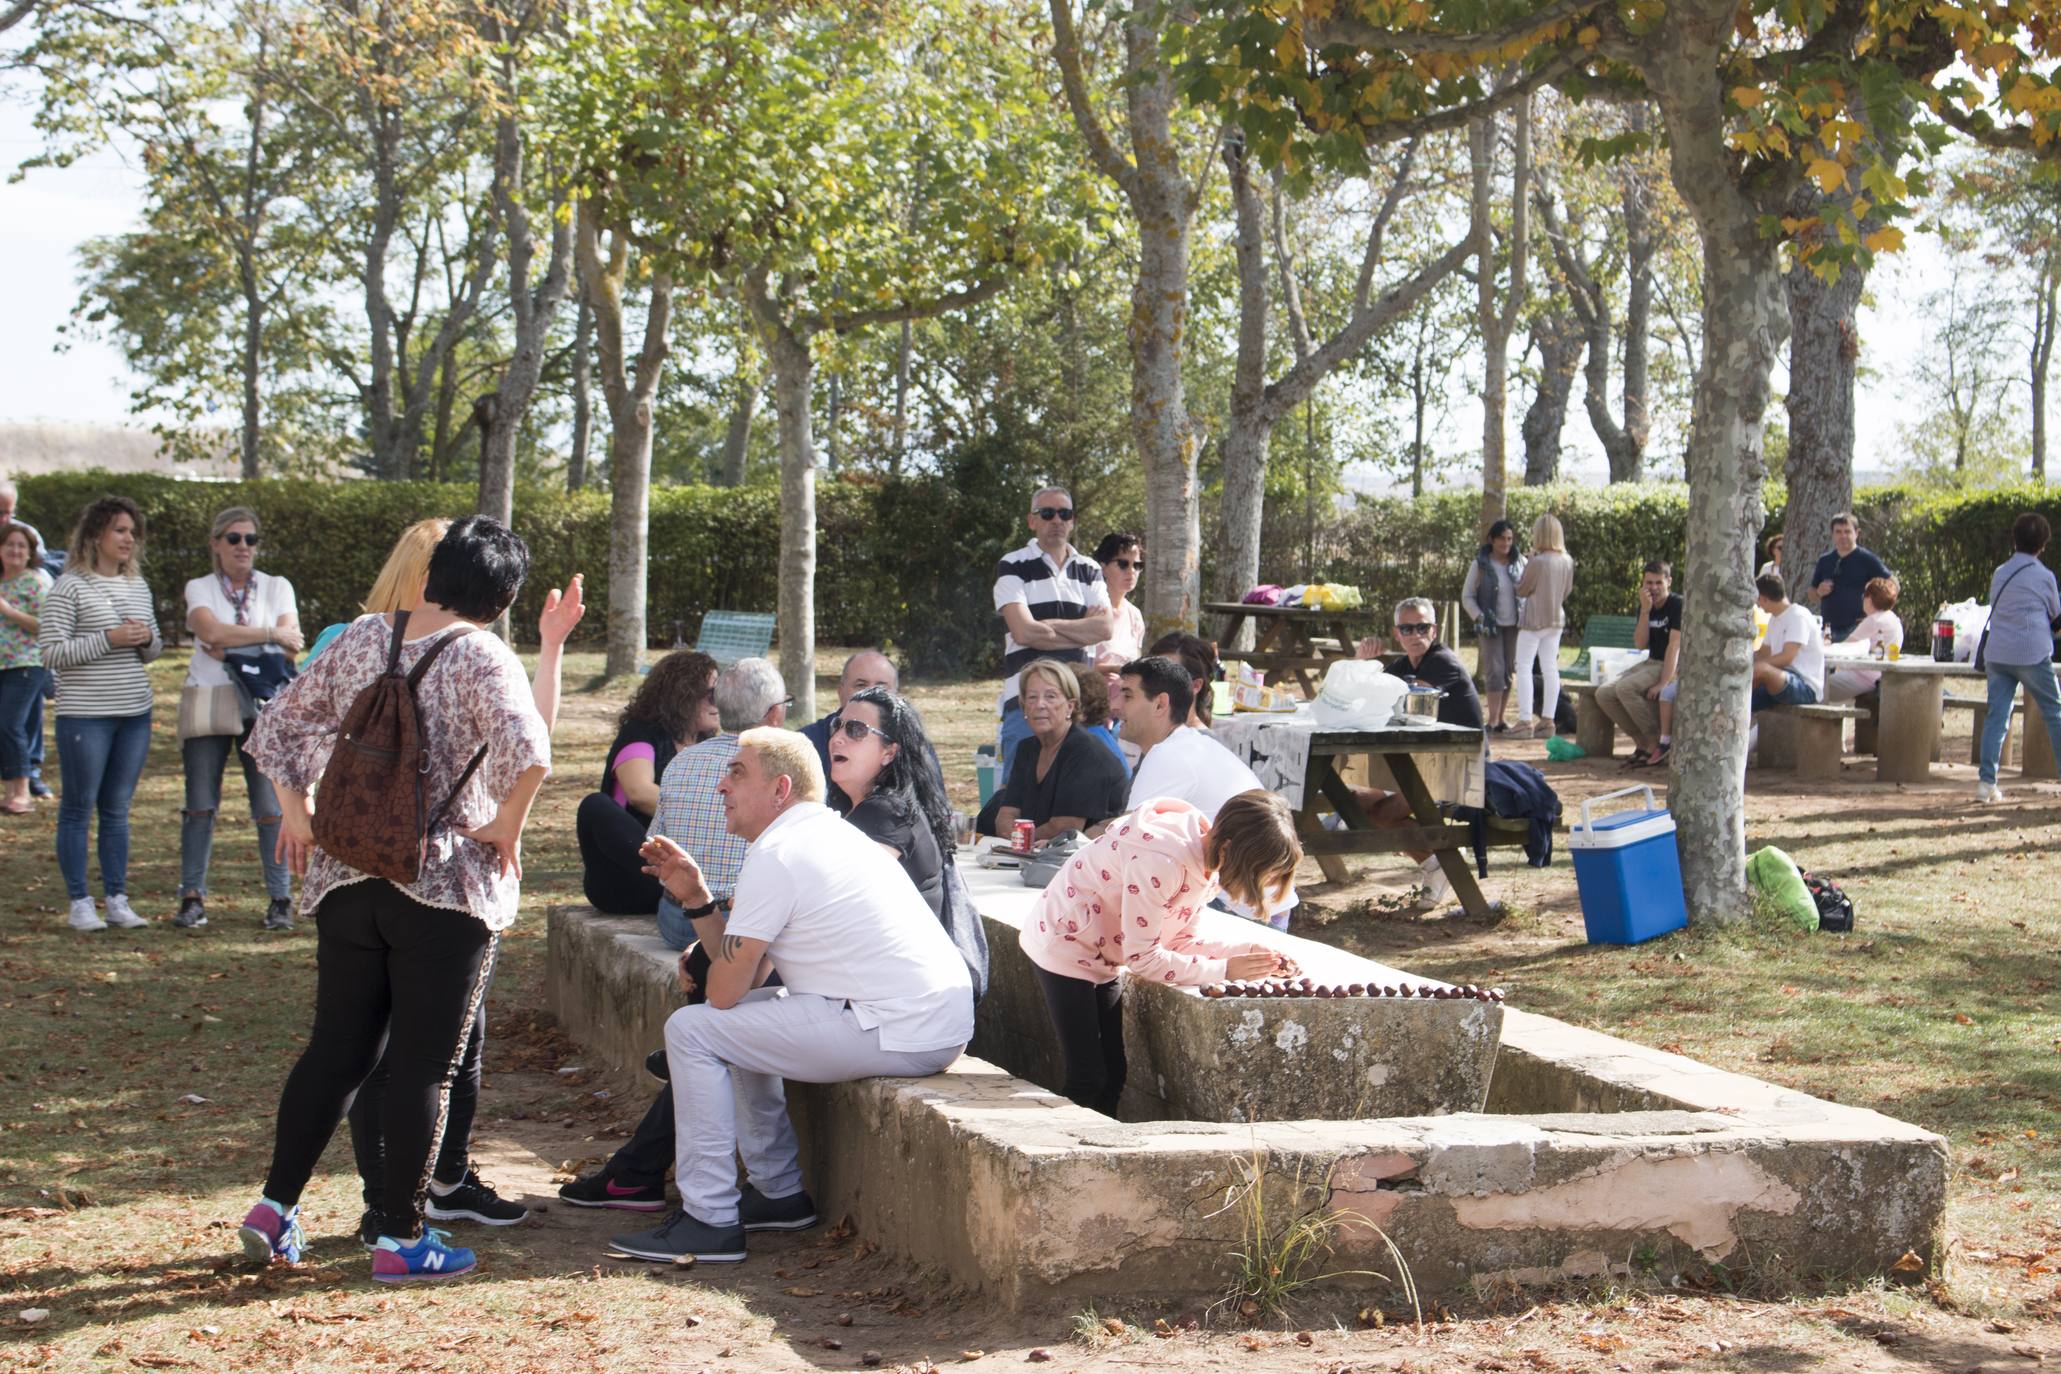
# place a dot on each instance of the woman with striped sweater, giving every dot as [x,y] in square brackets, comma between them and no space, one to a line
[99,627]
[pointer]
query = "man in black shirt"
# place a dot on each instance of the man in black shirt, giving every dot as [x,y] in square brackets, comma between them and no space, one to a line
[1842,575]
[1426,661]
[1634,698]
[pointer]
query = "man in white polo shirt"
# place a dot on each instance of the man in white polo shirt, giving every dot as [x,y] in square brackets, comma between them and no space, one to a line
[872,986]
[1153,701]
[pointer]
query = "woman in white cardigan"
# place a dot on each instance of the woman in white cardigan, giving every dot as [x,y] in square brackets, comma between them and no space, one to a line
[1542,599]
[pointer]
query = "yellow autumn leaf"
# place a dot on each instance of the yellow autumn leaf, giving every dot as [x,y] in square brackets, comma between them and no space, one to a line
[1997,56]
[1289,49]
[1589,36]
[1888,239]
[1829,175]
[1746,97]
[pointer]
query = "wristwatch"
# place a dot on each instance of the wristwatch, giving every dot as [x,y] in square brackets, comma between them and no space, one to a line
[707,908]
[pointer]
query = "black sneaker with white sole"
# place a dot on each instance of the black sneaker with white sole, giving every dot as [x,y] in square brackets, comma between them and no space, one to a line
[193,914]
[758,1212]
[474,1199]
[599,1190]
[682,1235]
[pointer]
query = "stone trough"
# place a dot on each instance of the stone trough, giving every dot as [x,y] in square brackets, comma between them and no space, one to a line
[1490,1145]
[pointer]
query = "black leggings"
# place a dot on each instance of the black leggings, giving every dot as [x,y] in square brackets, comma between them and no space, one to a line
[1089,1018]
[612,871]
[367,1115]
[386,966]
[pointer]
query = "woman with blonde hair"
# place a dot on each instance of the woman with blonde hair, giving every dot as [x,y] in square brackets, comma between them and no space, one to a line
[234,607]
[1541,617]
[1063,778]
[400,580]
[97,630]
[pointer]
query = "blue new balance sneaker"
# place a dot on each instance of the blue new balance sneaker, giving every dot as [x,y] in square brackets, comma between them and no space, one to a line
[427,1258]
[268,1234]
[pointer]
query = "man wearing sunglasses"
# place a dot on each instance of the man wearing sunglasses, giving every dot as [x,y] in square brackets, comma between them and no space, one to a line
[1053,604]
[1425,661]
[866,668]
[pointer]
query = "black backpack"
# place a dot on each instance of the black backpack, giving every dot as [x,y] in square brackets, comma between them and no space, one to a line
[1835,908]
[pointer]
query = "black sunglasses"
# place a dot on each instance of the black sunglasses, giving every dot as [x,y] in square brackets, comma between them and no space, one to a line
[1418,629]
[1130,564]
[239,537]
[1054,512]
[859,729]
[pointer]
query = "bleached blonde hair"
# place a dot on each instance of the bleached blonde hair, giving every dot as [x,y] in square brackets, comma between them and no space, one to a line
[400,581]
[786,754]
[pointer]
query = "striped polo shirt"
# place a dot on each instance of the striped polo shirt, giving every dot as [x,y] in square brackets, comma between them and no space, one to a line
[95,678]
[1069,592]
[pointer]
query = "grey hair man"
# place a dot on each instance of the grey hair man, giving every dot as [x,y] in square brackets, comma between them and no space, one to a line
[749,693]
[866,668]
[1053,603]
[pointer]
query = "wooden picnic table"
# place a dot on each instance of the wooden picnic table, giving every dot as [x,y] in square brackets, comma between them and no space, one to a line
[1304,770]
[1284,636]
[1913,691]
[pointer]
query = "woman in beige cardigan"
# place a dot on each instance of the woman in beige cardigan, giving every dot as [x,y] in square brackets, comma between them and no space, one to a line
[1542,593]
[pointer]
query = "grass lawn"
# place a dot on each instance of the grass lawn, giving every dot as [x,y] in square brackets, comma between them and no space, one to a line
[139,1072]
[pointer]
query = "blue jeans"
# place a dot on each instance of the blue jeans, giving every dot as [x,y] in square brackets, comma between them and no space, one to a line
[1795,692]
[1014,731]
[205,758]
[2041,694]
[101,758]
[21,699]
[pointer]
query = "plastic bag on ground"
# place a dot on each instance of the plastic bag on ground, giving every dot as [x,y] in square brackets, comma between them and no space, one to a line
[1775,876]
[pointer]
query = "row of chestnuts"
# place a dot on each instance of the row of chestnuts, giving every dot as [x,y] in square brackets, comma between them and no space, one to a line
[1306,987]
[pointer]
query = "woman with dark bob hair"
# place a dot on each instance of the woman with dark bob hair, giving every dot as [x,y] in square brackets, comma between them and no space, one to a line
[673,708]
[404,962]
[2019,647]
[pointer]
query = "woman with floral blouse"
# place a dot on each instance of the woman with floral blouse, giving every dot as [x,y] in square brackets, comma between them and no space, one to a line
[409,963]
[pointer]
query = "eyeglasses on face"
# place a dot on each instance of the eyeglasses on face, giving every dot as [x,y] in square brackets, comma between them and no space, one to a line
[1415,628]
[787,703]
[1054,512]
[858,729]
[1130,564]
[239,537]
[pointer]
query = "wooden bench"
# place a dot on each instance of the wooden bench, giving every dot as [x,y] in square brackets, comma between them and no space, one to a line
[1809,739]
[727,636]
[1601,632]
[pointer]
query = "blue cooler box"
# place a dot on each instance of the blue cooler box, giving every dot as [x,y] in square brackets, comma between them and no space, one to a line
[1628,871]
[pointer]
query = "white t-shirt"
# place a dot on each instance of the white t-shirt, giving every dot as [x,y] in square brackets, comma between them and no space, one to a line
[270,598]
[1128,639]
[1193,766]
[842,920]
[1798,626]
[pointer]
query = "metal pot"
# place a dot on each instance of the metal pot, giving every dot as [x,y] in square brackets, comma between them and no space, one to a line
[1418,706]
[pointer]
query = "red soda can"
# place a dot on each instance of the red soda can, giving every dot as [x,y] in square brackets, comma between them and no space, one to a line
[1026,836]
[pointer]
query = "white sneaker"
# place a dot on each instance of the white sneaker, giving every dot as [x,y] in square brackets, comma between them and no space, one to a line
[84,917]
[1433,886]
[1988,792]
[121,915]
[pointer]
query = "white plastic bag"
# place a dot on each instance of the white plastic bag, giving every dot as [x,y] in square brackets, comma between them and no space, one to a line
[1358,694]
[1969,618]
[1606,665]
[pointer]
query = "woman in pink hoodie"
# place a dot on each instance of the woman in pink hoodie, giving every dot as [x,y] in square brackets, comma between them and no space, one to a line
[1131,901]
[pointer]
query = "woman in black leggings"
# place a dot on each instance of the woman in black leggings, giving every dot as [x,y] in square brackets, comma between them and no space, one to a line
[406,963]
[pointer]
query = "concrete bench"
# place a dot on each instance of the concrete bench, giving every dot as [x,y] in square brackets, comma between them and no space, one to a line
[1978,710]
[1593,730]
[1588,1150]
[1809,739]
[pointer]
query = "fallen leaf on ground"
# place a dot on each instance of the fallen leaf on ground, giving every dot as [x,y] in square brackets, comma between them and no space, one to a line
[1113,1325]
[971,1355]
[1909,1264]
[801,1293]
[830,1342]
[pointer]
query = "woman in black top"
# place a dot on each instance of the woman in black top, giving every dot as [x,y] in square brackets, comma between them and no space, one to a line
[885,779]
[674,708]
[1070,780]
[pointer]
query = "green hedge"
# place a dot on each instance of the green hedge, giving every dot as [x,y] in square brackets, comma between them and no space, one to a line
[907,562]
[1941,545]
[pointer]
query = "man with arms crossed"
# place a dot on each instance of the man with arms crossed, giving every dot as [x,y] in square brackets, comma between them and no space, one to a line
[1053,604]
[872,986]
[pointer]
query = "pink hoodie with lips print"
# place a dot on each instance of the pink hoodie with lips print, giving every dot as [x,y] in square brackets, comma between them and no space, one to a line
[1131,901]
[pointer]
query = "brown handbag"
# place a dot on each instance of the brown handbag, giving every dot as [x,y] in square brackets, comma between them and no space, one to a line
[370,810]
